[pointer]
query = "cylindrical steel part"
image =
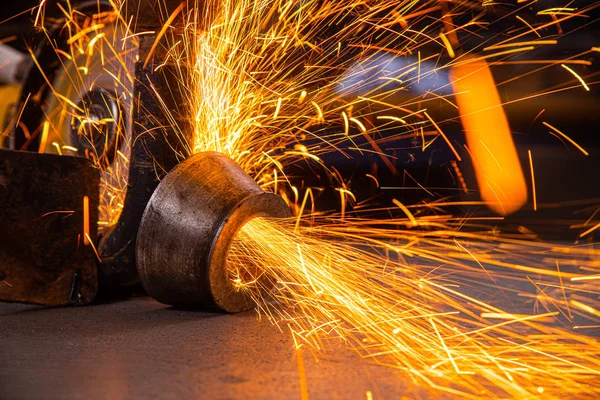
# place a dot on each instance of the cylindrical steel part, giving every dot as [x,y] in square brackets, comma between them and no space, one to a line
[187,230]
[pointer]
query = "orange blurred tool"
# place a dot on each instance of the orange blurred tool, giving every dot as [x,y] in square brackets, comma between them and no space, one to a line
[496,163]
[495,160]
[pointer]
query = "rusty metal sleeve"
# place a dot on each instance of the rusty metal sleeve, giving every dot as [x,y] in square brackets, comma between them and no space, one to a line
[43,259]
[188,227]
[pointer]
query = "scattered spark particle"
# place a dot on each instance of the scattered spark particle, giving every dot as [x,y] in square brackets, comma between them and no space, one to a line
[44,138]
[161,33]
[57,147]
[585,307]
[360,125]
[586,278]
[89,240]
[534,30]
[518,44]
[303,95]
[277,108]
[86,220]
[533,191]
[406,211]
[592,229]
[444,136]
[448,45]
[576,75]
[374,179]
[460,177]
[567,138]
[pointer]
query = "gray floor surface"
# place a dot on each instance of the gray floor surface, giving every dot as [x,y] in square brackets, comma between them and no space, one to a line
[140,349]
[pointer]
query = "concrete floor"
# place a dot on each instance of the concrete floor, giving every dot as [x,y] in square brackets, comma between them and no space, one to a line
[140,349]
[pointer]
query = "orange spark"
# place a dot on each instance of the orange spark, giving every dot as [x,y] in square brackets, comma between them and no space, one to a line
[556,130]
[576,75]
[161,33]
[532,181]
[44,138]
[444,136]
[86,220]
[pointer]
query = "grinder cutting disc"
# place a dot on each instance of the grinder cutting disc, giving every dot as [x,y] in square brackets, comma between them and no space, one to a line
[89,107]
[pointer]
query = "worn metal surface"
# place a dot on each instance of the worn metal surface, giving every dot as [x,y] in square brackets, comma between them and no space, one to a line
[188,227]
[140,349]
[42,256]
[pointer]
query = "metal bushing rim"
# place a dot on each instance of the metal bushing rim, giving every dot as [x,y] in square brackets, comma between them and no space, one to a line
[225,294]
[188,228]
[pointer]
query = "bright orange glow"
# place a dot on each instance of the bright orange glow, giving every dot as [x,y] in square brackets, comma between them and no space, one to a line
[497,167]
[86,220]
[44,138]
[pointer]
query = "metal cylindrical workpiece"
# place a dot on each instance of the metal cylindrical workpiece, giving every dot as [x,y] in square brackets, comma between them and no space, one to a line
[187,230]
